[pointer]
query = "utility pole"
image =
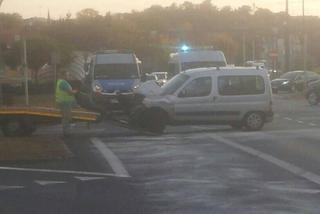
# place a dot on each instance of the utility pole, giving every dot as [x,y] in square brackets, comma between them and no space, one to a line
[1,92]
[287,39]
[25,69]
[244,49]
[305,38]
[305,42]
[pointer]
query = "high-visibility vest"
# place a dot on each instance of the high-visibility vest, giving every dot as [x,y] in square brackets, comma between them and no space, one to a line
[61,95]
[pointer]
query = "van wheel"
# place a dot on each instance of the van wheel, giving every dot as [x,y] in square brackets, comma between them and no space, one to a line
[155,121]
[313,98]
[254,121]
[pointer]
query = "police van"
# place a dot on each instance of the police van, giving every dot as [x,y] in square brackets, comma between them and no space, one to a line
[236,96]
[112,73]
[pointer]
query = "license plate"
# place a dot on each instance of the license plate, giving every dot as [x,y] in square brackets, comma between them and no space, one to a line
[114,101]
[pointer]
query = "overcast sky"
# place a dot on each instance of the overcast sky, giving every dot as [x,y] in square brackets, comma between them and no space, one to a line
[59,8]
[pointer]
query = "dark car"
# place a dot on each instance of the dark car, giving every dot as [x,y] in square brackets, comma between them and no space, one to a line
[313,92]
[293,81]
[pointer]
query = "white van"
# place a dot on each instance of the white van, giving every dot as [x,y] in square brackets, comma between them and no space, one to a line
[240,97]
[196,58]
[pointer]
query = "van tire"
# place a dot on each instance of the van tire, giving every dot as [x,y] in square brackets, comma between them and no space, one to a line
[155,121]
[254,121]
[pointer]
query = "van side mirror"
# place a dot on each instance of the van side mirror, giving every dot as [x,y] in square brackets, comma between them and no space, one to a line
[143,77]
[86,67]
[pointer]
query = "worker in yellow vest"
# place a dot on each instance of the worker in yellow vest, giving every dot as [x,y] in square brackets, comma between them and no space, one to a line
[65,100]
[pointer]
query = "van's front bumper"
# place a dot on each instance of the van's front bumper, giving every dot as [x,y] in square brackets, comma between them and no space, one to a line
[114,101]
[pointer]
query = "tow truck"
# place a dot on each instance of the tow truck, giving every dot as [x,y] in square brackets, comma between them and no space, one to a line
[23,120]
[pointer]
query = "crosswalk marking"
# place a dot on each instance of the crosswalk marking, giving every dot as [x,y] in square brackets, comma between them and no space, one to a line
[3,187]
[111,158]
[89,178]
[44,183]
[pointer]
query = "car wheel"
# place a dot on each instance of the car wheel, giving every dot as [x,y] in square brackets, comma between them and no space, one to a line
[313,98]
[155,121]
[254,121]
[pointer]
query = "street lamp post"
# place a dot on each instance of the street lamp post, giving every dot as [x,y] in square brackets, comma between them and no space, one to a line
[305,38]
[1,95]
[287,38]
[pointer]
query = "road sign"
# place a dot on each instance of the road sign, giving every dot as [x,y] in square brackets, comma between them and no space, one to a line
[273,54]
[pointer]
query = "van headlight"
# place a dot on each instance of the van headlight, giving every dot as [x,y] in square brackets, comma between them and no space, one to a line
[97,87]
[136,86]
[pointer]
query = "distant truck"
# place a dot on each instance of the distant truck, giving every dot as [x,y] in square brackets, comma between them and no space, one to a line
[195,58]
[112,74]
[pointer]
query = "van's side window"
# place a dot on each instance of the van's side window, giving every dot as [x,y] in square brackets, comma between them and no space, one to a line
[241,85]
[199,87]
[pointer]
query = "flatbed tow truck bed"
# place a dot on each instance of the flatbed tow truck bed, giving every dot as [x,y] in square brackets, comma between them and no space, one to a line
[23,120]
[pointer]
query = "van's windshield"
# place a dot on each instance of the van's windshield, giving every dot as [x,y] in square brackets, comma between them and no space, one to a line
[175,83]
[205,64]
[116,71]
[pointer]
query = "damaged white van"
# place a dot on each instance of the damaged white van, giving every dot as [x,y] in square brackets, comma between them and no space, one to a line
[240,97]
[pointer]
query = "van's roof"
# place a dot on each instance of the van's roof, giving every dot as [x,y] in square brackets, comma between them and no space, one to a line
[198,56]
[227,70]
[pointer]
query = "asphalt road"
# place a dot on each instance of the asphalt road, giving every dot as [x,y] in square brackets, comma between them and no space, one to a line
[190,169]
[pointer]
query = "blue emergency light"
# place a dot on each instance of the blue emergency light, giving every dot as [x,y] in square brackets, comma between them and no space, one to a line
[185,48]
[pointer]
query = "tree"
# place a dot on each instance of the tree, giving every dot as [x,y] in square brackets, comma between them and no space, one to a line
[88,14]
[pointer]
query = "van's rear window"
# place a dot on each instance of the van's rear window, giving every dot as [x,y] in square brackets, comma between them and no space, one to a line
[241,85]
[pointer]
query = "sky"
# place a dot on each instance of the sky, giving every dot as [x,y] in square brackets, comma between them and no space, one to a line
[59,8]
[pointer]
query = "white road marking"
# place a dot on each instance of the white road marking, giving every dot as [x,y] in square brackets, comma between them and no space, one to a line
[111,158]
[288,118]
[288,189]
[310,176]
[299,121]
[57,171]
[196,181]
[89,178]
[2,187]
[312,124]
[44,183]
[197,127]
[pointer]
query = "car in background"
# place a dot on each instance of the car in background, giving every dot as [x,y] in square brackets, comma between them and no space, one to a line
[293,81]
[160,77]
[313,92]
